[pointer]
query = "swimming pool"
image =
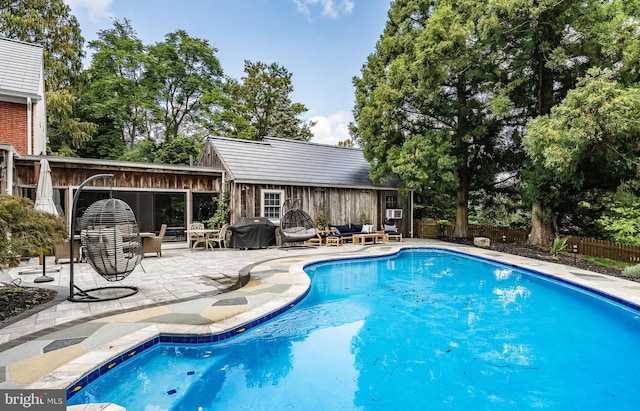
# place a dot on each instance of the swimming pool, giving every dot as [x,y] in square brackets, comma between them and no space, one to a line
[415,330]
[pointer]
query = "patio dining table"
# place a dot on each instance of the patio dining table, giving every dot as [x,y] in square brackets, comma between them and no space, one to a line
[206,232]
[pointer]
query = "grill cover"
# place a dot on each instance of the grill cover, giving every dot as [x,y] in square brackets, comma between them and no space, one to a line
[253,232]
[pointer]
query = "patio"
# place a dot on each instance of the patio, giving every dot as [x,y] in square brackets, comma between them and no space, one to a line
[186,292]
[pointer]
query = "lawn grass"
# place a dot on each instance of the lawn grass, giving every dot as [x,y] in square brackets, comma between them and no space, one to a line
[606,262]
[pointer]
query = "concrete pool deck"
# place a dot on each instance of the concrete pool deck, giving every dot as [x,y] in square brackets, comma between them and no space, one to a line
[194,293]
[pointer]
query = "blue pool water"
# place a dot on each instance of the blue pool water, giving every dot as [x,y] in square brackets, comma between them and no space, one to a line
[423,329]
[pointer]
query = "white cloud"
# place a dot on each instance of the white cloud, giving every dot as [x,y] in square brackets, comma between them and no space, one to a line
[331,129]
[329,8]
[96,10]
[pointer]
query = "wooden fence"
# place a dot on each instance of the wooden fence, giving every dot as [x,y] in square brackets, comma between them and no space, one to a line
[586,246]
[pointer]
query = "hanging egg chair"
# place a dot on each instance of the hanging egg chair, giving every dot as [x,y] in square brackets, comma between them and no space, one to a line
[111,239]
[296,225]
[111,243]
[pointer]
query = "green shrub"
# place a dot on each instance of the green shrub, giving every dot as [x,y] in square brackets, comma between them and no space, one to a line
[557,246]
[25,231]
[632,271]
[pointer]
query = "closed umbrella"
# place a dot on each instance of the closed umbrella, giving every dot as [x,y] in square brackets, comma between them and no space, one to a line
[45,203]
[44,192]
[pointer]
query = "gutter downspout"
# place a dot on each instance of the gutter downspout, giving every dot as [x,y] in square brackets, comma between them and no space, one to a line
[29,126]
[9,189]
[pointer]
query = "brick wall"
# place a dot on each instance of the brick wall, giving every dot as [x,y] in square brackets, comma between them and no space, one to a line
[13,125]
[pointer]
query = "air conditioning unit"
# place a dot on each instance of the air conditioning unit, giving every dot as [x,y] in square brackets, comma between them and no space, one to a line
[394,213]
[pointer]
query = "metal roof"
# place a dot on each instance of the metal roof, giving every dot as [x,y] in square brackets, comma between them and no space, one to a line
[284,161]
[20,69]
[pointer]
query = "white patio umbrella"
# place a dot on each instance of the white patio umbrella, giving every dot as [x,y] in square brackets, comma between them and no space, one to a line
[44,192]
[45,203]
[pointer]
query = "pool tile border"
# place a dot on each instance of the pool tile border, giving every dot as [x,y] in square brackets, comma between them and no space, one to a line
[177,339]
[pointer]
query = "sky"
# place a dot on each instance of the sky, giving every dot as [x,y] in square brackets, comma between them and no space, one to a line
[322,43]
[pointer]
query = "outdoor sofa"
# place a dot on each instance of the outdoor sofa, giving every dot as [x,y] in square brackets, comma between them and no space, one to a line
[349,230]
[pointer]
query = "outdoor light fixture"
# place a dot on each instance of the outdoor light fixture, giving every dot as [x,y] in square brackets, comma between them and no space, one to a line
[504,238]
[575,253]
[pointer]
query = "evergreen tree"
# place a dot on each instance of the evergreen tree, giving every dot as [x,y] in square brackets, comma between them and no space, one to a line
[426,102]
[548,47]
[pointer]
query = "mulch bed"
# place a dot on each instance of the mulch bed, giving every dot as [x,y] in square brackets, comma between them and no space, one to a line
[15,300]
[538,253]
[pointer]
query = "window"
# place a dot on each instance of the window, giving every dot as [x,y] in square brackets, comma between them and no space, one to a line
[391,201]
[272,201]
[152,209]
[58,197]
[204,206]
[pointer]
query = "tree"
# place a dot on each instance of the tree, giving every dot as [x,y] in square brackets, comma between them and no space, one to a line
[143,152]
[107,142]
[621,221]
[590,140]
[25,231]
[182,71]
[259,106]
[179,150]
[50,24]
[547,47]
[228,121]
[424,104]
[117,91]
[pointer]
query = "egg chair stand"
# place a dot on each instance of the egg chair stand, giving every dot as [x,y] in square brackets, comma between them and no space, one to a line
[296,226]
[108,229]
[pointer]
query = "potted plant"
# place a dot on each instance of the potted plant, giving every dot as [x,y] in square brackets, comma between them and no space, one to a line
[25,231]
[321,220]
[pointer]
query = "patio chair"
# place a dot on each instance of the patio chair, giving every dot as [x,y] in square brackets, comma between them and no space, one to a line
[220,238]
[197,237]
[61,251]
[154,244]
[391,232]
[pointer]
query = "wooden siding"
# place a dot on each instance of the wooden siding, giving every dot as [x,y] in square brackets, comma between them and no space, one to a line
[339,205]
[155,179]
[209,158]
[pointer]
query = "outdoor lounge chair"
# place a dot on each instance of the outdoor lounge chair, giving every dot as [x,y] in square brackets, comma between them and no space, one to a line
[391,232]
[315,241]
[154,244]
